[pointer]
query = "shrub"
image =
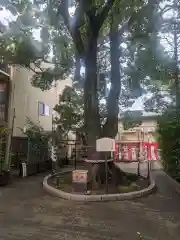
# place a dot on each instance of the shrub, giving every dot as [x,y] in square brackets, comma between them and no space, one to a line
[169,140]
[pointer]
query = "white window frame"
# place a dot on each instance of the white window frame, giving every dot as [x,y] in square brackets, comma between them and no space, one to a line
[46,109]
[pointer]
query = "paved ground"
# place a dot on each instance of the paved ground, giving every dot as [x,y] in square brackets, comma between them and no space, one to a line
[27,212]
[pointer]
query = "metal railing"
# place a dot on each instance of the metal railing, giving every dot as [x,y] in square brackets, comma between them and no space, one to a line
[2,113]
[4,66]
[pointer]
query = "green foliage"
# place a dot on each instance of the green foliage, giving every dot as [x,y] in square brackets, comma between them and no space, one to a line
[69,110]
[168,31]
[169,140]
[62,37]
[51,45]
[131,119]
[36,135]
[17,38]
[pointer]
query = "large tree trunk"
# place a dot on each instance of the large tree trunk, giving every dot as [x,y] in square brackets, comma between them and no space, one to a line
[91,113]
[91,103]
[77,75]
[110,128]
[92,118]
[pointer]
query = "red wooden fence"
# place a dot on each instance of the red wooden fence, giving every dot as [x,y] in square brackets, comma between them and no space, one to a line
[129,151]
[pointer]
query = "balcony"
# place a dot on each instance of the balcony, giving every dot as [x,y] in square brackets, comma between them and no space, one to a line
[4,96]
[4,67]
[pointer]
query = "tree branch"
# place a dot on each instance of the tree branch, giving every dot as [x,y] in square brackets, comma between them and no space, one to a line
[30,68]
[89,9]
[169,42]
[50,62]
[73,27]
[121,30]
[100,18]
[63,11]
[165,9]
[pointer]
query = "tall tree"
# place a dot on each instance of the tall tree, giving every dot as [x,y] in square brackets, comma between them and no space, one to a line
[75,40]
[166,91]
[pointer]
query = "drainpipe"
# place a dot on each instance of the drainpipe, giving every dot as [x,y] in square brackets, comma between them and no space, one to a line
[11,118]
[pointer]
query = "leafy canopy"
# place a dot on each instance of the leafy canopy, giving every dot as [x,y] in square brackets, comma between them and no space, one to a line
[60,36]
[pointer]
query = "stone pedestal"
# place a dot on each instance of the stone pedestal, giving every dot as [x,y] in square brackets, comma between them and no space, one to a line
[79,181]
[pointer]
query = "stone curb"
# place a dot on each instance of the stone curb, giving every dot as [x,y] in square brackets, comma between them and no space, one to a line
[173,183]
[97,198]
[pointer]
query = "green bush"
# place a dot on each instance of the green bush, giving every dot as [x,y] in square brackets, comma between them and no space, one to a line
[169,140]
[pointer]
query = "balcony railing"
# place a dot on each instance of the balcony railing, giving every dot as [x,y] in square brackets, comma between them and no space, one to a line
[4,66]
[3,101]
[2,113]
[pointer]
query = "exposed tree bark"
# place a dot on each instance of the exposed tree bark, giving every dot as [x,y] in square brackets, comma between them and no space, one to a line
[91,104]
[77,75]
[91,113]
[73,25]
[110,128]
[88,53]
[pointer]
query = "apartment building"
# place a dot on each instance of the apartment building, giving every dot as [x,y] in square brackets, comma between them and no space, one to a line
[33,103]
[19,100]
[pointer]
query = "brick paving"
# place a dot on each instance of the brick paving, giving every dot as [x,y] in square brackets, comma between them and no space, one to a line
[28,213]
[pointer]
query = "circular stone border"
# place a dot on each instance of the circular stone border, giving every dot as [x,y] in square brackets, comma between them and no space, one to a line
[97,198]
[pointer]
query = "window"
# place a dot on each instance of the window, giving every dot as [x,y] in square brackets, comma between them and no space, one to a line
[44,109]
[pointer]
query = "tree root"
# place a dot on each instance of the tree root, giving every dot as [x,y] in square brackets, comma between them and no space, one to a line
[116,176]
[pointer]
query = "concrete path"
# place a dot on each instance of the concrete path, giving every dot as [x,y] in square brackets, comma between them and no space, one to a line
[132,167]
[27,212]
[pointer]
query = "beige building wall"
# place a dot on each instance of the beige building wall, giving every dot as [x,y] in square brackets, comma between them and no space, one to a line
[26,98]
[148,125]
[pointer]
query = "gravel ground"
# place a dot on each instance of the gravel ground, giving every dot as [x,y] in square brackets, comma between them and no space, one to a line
[27,212]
